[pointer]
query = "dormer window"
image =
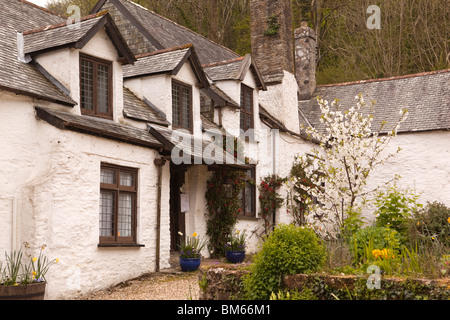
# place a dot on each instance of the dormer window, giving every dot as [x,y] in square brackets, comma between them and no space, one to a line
[182,106]
[96,87]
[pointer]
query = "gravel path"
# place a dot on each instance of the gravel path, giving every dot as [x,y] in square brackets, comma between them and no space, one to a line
[158,286]
[170,284]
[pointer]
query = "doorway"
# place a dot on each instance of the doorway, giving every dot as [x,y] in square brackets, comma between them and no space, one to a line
[177,218]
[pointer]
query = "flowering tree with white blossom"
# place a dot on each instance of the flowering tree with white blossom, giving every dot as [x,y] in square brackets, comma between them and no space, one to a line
[339,168]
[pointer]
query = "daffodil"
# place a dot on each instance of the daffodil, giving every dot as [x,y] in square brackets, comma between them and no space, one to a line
[195,234]
[448,220]
[34,259]
[57,260]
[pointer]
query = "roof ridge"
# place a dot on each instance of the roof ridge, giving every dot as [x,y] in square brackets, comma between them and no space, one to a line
[60,25]
[407,76]
[179,25]
[153,53]
[43,9]
[221,63]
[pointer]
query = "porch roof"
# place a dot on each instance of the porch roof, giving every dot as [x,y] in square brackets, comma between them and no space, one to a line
[193,149]
[98,127]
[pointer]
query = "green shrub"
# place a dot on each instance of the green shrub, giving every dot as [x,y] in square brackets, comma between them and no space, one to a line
[373,237]
[431,225]
[287,250]
[394,209]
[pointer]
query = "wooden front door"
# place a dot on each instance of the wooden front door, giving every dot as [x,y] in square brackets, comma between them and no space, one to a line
[177,218]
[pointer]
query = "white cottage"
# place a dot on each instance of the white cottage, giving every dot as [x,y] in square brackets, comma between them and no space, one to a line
[99,117]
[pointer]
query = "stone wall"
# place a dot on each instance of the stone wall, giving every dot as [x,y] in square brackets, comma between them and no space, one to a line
[224,283]
[305,61]
[273,53]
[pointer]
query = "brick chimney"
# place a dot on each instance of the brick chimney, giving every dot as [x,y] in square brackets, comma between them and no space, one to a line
[272,38]
[305,61]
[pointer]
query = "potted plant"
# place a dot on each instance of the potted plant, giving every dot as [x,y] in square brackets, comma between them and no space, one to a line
[190,254]
[235,248]
[22,277]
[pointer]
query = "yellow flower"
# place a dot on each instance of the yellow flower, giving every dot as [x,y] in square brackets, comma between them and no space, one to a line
[16,284]
[57,260]
[34,259]
[418,223]
[448,220]
[34,273]
[195,234]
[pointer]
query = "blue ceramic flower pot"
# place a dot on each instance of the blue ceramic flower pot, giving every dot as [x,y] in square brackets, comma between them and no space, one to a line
[235,256]
[189,264]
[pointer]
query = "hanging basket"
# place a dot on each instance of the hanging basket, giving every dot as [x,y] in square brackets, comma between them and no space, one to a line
[32,291]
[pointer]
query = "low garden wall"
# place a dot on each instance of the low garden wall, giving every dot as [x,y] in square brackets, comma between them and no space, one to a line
[223,282]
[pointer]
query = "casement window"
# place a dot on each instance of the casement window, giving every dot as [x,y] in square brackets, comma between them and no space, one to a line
[182,106]
[248,195]
[118,196]
[96,87]
[247,113]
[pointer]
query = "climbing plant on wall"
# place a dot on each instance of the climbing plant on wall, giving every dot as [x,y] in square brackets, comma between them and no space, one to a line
[270,199]
[224,207]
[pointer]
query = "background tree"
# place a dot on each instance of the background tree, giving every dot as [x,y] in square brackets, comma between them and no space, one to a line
[414,35]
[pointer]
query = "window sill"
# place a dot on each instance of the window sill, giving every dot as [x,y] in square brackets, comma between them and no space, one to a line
[120,245]
[248,218]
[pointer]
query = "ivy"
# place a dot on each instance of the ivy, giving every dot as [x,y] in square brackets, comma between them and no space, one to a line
[273,26]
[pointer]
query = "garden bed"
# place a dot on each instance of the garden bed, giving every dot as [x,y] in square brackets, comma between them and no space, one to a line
[224,282]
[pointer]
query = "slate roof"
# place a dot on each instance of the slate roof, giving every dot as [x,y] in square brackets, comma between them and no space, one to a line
[57,35]
[426,96]
[196,149]
[164,61]
[98,127]
[16,76]
[224,70]
[135,108]
[168,34]
[64,35]
[234,69]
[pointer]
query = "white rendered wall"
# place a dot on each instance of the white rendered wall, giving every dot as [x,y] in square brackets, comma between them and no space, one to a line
[281,101]
[54,177]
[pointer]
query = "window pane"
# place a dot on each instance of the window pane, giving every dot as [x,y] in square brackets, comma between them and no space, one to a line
[108,176]
[248,100]
[106,213]
[175,105]
[87,85]
[102,88]
[127,179]
[186,108]
[249,198]
[125,213]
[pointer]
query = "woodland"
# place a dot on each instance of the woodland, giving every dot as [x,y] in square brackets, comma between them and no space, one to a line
[413,35]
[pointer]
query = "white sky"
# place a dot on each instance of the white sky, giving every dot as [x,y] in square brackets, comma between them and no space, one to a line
[41,3]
